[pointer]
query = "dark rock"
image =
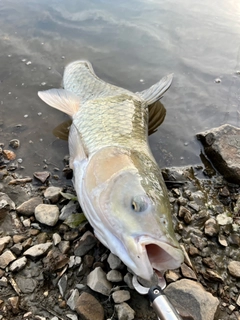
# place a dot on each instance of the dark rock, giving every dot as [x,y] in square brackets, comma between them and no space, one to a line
[27,208]
[222,146]
[89,308]
[86,243]
[26,285]
[55,260]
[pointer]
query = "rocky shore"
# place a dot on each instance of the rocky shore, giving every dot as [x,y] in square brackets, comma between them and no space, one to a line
[52,267]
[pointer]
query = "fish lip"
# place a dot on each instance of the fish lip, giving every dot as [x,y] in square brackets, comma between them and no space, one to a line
[162,255]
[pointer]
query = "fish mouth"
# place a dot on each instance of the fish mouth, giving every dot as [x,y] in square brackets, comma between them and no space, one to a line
[160,255]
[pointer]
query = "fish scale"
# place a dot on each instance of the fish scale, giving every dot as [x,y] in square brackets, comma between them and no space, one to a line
[116,121]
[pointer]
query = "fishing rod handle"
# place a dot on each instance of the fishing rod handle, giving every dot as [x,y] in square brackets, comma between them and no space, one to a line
[162,306]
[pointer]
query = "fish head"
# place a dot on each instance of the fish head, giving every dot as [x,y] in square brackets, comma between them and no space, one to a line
[129,199]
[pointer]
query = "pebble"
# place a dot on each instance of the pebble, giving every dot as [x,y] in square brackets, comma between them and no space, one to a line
[223,219]
[5,258]
[68,209]
[26,285]
[53,194]
[17,249]
[47,214]
[18,264]
[72,300]
[27,208]
[234,268]
[14,143]
[121,296]
[62,285]
[89,308]
[124,311]
[98,282]
[114,276]
[211,227]
[3,282]
[114,262]
[38,250]
[4,241]
[64,246]
[72,316]
[14,303]
[128,280]
[56,239]
[86,243]
[188,272]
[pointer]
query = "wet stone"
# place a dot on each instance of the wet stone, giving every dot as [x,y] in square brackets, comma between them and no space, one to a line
[121,296]
[6,202]
[199,243]
[27,208]
[5,258]
[124,311]
[89,308]
[98,282]
[86,243]
[18,264]
[38,250]
[47,214]
[53,194]
[234,268]
[222,147]
[114,276]
[42,176]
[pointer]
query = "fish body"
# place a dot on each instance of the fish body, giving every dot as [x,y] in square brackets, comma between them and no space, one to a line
[118,182]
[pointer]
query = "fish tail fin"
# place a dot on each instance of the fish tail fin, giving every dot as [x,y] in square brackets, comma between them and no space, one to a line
[156,91]
[61,99]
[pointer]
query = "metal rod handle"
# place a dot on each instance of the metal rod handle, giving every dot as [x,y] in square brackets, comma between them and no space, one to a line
[162,306]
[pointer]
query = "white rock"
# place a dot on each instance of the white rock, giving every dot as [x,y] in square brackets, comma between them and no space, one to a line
[234,268]
[6,258]
[18,264]
[72,300]
[56,239]
[98,282]
[38,249]
[3,282]
[53,194]
[121,296]
[114,262]
[114,276]
[4,241]
[223,219]
[47,214]
[124,311]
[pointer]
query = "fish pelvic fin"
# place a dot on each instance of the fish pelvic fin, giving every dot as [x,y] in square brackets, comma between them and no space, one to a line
[155,92]
[61,99]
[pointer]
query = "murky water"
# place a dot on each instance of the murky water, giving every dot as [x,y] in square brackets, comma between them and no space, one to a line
[131,44]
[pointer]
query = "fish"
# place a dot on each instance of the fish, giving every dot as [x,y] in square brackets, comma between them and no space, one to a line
[118,182]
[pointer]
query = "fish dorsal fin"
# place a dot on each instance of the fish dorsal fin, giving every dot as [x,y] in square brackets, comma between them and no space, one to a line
[156,91]
[61,99]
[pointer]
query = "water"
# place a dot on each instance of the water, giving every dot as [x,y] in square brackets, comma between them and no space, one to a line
[131,44]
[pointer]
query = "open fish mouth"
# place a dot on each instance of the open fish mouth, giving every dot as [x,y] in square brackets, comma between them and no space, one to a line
[160,254]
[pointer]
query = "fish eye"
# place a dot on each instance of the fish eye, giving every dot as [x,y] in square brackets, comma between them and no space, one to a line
[139,203]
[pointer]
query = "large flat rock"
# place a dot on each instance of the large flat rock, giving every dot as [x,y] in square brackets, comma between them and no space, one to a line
[222,147]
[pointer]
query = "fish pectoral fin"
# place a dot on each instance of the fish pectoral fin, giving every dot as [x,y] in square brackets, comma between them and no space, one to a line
[157,113]
[156,91]
[61,99]
[76,147]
